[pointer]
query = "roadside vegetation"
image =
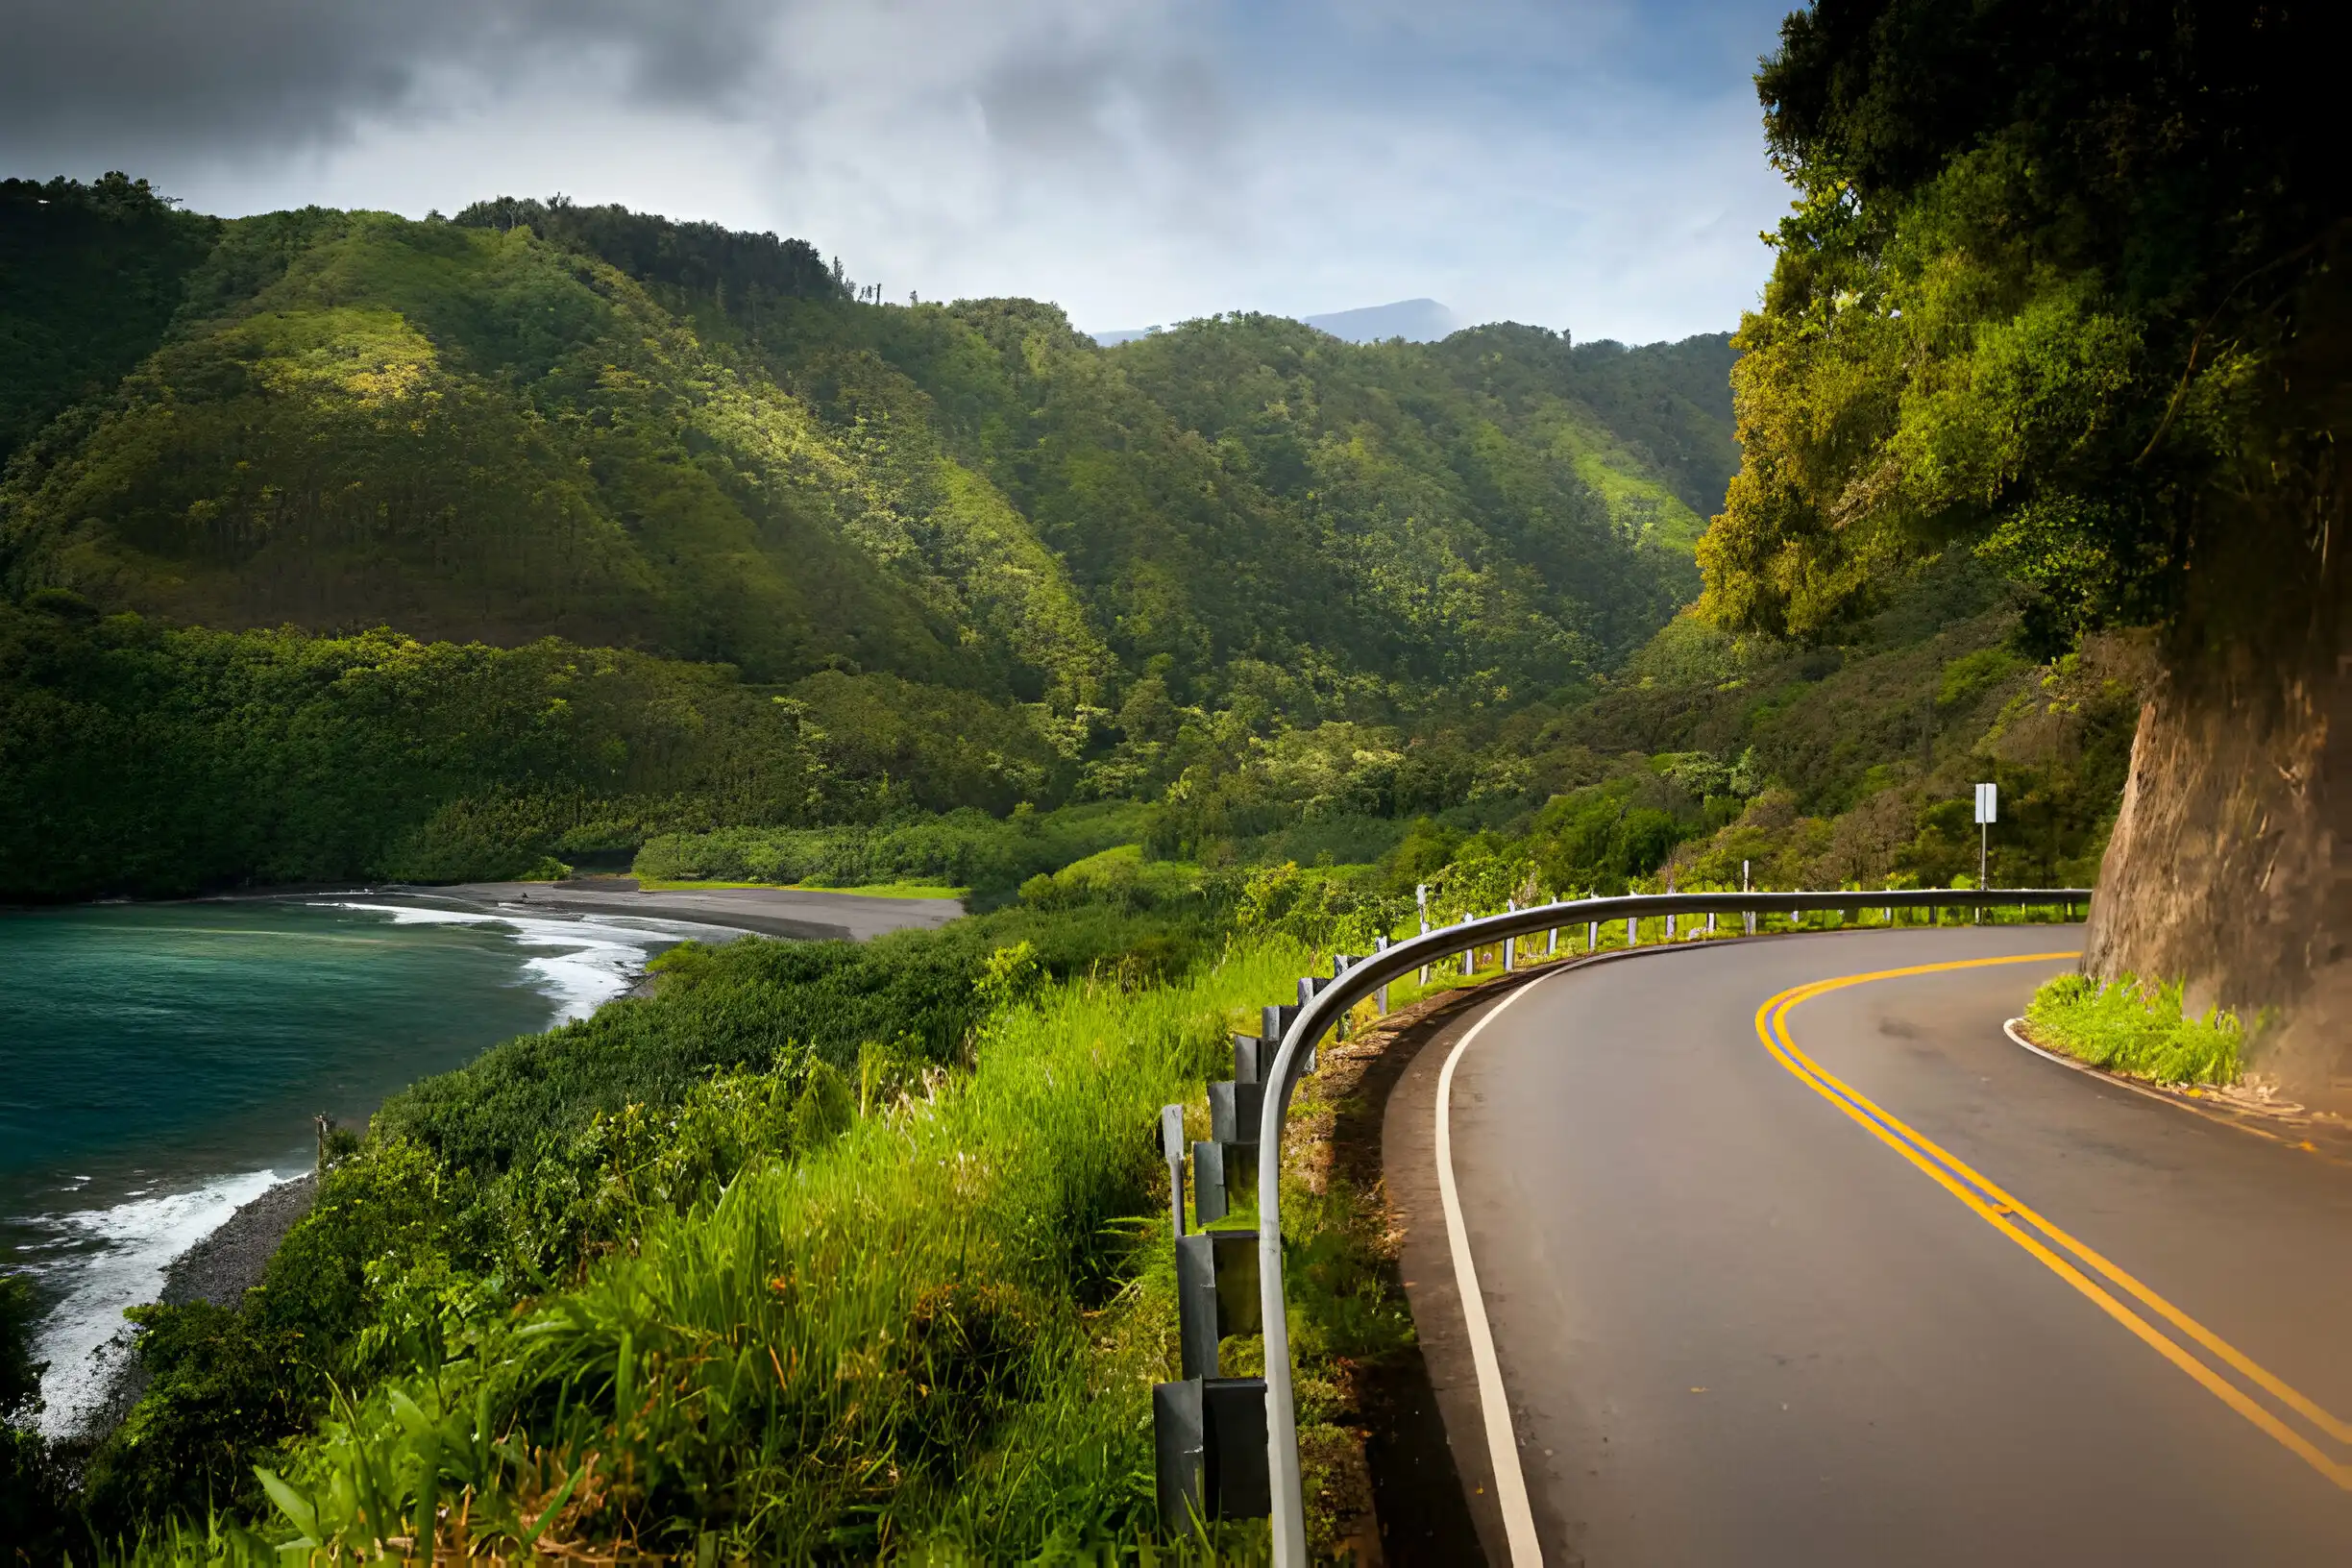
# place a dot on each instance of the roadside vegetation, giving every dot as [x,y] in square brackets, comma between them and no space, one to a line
[822,1251]
[2136,1028]
[798,1101]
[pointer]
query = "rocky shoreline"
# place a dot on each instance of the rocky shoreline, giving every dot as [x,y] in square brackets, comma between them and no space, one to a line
[230,1261]
[218,1269]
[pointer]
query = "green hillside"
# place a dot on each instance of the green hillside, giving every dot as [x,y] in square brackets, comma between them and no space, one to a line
[667,437]
[934,531]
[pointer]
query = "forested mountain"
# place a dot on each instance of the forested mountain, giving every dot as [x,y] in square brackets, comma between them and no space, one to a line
[89,278]
[974,558]
[546,419]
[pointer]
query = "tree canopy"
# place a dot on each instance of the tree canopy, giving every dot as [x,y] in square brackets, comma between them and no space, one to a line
[548,419]
[2062,281]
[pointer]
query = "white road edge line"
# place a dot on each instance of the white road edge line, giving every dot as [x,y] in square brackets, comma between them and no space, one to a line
[1503,1445]
[2016,1036]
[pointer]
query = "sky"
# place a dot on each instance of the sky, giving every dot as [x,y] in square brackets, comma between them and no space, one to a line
[1591,165]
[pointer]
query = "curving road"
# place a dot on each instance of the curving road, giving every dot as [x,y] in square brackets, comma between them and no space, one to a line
[1858,1279]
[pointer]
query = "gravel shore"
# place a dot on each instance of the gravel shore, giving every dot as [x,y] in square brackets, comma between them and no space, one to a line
[219,1269]
[229,1262]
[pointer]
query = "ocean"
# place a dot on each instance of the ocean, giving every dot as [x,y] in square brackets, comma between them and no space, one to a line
[162,1065]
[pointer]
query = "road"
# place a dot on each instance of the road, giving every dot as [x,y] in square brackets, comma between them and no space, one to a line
[2028,1316]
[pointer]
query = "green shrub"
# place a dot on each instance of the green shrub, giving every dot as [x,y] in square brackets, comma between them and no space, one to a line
[966,848]
[934,1331]
[34,1511]
[2136,1028]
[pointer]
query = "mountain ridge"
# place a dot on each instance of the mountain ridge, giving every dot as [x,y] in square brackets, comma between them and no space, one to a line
[470,430]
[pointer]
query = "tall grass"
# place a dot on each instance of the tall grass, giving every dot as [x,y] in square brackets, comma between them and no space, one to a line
[935,1337]
[2136,1027]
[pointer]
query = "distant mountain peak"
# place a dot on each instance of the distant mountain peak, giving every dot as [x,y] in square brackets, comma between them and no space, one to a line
[1417,321]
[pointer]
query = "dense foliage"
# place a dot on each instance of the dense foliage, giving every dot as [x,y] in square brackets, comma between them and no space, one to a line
[89,278]
[1821,766]
[990,856]
[923,1149]
[2136,1028]
[692,257]
[2068,282]
[140,758]
[550,419]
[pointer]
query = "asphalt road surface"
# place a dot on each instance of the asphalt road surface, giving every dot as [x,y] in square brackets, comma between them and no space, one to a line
[1888,1291]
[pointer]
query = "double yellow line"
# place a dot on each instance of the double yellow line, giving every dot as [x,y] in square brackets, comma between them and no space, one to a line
[2045,1242]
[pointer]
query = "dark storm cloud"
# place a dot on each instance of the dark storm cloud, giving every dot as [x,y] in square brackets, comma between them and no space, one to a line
[1587,161]
[228,73]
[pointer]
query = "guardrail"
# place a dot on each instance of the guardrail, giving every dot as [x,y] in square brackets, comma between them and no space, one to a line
[1323,1005]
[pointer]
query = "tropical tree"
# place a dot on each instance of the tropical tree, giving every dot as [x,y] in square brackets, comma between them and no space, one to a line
[2067,285]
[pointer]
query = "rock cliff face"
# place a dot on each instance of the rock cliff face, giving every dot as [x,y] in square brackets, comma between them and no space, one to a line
[2230,861]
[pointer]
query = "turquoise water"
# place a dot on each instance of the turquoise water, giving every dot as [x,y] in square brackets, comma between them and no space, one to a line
[160,1064]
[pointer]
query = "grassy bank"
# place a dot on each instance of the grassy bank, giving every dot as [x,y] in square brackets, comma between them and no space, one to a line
[876,890]
[935,1332]
[925,1330]
[967,851]
[2136,1028]
[822,1252]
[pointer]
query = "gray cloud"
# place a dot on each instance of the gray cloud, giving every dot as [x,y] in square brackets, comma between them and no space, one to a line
[1594,164]
[229,74]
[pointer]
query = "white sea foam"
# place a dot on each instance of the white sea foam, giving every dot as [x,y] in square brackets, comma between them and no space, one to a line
[106,1260]
[416,914]
[116,1258]
[598,958]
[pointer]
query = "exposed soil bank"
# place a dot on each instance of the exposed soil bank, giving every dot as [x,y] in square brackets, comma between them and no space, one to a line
[2231,863]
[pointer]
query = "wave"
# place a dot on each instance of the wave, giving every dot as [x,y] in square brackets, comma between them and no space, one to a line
[113,1259]
[599,957]
[95,1263]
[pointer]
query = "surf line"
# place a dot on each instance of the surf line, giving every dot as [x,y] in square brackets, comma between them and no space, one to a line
[2006,1213]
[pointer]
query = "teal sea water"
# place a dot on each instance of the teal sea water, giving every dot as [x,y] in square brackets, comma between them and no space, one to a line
[160,1064]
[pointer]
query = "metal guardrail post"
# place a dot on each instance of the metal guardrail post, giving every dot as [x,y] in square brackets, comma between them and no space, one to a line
[1322,1006]
[1216,1295]
[1208,1183]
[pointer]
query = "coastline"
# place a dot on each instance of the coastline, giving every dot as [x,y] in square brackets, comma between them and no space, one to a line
[800,914]
[223,1265]
[231,1260]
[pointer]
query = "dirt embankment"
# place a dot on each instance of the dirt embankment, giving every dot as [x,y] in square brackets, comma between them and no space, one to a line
[2231,863]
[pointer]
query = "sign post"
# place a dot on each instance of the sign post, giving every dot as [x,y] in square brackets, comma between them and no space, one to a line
[1987,801]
